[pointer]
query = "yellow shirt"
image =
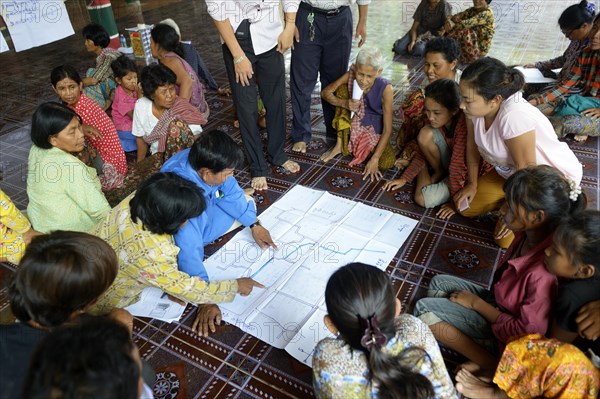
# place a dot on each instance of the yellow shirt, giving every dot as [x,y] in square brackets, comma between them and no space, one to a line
[12,226]
[150,260]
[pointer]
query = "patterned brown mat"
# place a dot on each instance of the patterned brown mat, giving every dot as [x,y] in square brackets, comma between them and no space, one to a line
[231,363]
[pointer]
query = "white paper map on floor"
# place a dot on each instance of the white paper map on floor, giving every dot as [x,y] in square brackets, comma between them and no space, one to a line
[154,303]
[316,233]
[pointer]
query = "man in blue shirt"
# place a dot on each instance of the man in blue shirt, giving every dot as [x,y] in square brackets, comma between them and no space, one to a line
[210,164]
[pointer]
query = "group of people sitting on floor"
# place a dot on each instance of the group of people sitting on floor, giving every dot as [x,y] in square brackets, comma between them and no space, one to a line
[470,138]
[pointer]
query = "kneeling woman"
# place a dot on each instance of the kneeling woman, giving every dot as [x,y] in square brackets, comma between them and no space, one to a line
[140,230]
[442,146]
[367,133]
[162,121]
[64,193]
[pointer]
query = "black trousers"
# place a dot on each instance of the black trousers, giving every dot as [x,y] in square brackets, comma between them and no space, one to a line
[269,74]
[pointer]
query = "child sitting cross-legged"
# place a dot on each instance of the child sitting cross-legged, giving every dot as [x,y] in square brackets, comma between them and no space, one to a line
[367,133]
[534,366]
[476,322]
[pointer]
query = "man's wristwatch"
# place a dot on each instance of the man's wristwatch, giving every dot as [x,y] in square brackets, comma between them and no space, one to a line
[257,223]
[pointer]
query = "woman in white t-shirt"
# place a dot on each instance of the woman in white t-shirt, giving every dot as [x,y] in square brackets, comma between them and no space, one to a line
[507,132]
[162,121]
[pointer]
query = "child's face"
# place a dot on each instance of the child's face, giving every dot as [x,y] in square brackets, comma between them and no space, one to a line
[365,76]
[68,90]
[437,114]
[89,45]
[128,82]
[517,219]
[558,263]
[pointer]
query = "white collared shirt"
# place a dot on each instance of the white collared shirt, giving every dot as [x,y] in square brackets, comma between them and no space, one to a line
[264,16]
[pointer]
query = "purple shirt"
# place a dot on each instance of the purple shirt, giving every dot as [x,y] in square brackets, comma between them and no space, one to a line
[524,291]
[374,105]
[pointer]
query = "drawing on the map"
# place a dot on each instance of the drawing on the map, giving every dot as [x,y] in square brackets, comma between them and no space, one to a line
[316,233]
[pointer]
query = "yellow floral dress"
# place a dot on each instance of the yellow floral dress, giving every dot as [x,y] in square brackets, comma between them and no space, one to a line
[12,226]
[150,260]
[534,366]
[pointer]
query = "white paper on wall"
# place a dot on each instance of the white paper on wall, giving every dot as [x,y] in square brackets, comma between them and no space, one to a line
[33,23]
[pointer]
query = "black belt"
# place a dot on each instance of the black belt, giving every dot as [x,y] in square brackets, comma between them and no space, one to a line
[328,13]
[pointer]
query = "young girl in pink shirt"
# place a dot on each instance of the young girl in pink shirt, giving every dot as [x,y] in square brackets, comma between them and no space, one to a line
[126,94]
[475,321]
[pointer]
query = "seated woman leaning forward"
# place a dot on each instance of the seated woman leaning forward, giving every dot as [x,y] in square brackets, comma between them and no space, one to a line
[441,60]
[508,133]
[367,132]
[210,164]
[64,193]
[140,229]
[163,122]
[378,353]
[575,23]
[103,149]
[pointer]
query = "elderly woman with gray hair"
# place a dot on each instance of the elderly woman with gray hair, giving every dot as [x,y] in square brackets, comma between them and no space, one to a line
[363,122]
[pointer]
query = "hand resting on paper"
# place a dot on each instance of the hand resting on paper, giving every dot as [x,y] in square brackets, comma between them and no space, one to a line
[207,318]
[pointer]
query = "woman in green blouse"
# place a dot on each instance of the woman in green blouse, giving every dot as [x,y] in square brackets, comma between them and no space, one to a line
[64,193]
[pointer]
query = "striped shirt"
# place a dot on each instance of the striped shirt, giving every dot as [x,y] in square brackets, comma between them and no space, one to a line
[586,73]
[457,170]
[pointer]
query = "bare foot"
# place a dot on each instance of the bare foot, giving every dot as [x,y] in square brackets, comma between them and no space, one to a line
[299,147]
[580,138]
[470,366]
[259,183]
[236,123]
[472,387]
[291,166]
[248,191]
[329,155]
[485,375]
[262,121]
[224,91]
